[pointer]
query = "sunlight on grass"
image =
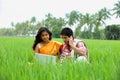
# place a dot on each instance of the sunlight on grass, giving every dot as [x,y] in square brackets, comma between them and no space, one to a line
[15,53]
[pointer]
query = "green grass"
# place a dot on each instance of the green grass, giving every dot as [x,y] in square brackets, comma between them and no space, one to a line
[15,53]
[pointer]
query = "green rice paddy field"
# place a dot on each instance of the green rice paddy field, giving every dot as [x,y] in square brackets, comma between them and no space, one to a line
[16,54]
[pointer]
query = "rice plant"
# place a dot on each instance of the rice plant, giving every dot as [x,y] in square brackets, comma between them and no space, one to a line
[17,62]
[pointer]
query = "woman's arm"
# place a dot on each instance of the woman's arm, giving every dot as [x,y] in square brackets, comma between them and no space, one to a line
[37,48]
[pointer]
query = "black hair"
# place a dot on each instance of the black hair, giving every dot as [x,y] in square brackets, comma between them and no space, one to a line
[67,32]
[38,36]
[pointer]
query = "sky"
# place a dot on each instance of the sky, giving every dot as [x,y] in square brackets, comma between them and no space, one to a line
[22,10]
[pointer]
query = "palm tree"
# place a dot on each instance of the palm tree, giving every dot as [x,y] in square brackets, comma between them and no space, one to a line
[47,22]
[12,30]
[54,24]
[33,20]
[32,25]
[99,19]
[18,30]
[49,15]
[87,20]
[117,9]
[73,17]
[101,16]
[12,24]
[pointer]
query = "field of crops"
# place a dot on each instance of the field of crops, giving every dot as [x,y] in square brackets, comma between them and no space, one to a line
[16,53]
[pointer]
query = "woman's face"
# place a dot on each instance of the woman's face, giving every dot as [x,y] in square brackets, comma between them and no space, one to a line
[45,36]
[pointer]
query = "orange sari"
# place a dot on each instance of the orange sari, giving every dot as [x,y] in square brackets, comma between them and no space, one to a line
[52,48]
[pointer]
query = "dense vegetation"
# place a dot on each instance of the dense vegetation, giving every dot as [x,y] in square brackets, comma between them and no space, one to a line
[112,32]
[15,53]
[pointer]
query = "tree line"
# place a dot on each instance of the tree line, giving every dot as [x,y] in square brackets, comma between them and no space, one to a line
[90,24]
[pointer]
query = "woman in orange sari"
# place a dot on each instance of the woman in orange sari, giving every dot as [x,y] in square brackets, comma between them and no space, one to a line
[44,44]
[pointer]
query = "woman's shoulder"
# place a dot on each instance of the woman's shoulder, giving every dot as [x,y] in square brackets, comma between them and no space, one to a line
[56,42]
[39,45]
